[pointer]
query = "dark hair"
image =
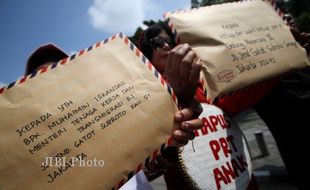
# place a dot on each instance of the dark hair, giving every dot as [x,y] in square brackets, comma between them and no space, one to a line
[47,56]
[43,54]
[153,31]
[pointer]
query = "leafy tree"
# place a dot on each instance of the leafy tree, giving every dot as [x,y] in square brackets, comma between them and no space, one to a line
[303,22]
[195,3]
[300,9]
[135,38]
[201,3]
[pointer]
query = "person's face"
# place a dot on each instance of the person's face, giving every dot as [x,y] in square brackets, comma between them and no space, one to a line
[161,49]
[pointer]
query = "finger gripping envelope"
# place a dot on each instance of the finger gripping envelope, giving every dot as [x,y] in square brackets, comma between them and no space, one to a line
[240,44]
[84,122]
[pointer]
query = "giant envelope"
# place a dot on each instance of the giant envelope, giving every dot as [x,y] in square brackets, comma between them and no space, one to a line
[97,116]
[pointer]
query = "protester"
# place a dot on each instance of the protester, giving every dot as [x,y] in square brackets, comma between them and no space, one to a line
[181,68]
[157,45]
[281,109]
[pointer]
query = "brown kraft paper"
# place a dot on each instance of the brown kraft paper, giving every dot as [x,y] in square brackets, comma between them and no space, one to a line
[240,44]
[104,104]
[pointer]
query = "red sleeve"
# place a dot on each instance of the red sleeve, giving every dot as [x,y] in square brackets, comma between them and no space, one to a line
[242,99]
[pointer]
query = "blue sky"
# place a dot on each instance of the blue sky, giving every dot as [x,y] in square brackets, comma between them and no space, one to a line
[72,25]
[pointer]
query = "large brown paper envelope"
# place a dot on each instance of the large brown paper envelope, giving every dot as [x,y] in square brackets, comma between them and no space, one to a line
[105,105]
[240,44]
